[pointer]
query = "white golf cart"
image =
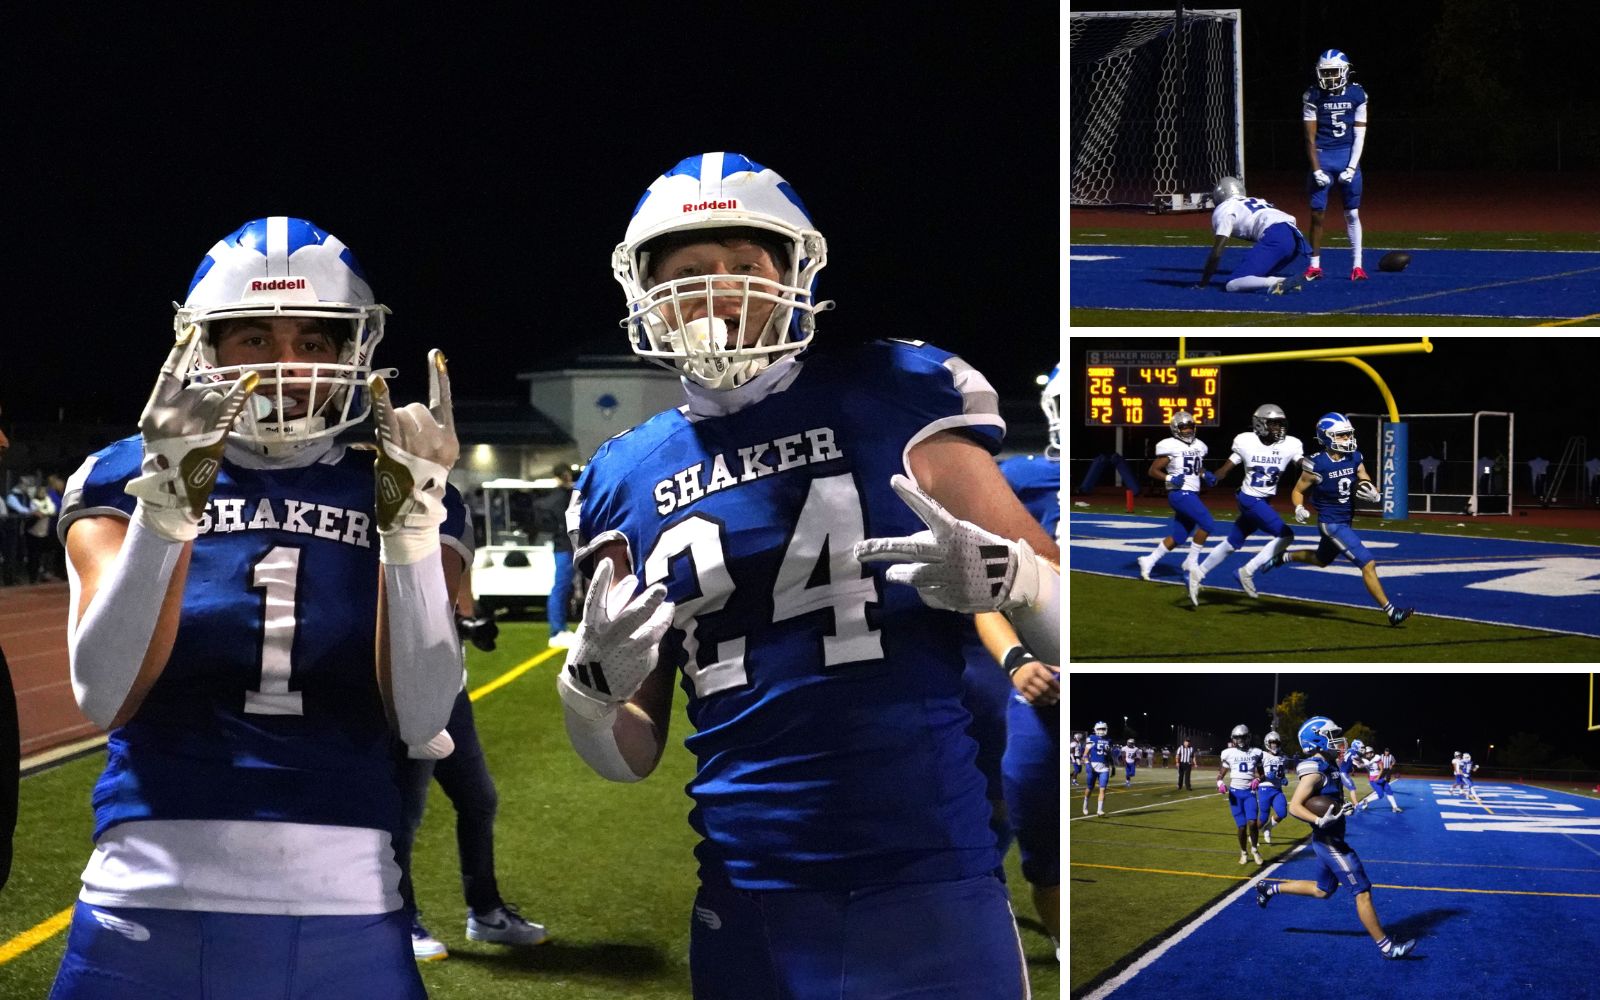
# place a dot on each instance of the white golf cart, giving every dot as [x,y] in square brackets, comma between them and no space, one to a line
[514,566]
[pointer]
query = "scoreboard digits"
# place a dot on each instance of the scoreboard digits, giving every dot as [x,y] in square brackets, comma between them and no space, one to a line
[1145,389]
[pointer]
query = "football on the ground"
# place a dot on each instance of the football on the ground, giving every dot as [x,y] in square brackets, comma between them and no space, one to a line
[1394,260]
[1321,804]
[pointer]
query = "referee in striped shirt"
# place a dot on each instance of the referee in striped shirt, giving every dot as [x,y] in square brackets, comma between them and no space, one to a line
[1185,764]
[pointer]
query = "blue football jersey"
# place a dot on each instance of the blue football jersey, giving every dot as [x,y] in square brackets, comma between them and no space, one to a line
[1036,481]
[1335,483]
[1332,784]
[1335,114]
[829,730]
[268,708]
[1097,749]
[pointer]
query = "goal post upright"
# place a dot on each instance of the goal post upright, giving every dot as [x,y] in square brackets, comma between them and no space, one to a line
[1393,441]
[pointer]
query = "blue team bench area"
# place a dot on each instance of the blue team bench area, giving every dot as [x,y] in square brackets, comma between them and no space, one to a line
[1500,283]
[1545,585]
[1501,892]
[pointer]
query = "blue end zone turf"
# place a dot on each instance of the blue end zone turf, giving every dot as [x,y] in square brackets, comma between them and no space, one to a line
[1502,894]
[1508,283]
[1546,585]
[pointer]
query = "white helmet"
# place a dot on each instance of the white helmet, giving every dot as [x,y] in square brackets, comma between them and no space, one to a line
[1100,729]
[1466,756]
[1050,401]
[1272,741]
[1241,736]
[714,191]
[1227,187]
[1333,70]
[280,266]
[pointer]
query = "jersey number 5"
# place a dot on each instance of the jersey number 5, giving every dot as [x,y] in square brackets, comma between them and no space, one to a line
[818,573]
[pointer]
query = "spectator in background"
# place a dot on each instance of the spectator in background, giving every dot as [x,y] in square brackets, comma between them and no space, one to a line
[1185,764]
[1166,756]
[10,739]
[55,557]
[551,516]
[43,513]
[18,513]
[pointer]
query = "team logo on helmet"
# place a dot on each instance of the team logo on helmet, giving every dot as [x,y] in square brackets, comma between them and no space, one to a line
[1336,433]
[1333,70]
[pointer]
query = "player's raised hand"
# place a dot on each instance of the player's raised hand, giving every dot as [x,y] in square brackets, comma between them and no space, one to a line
[1347,175]
[955,565]
[1321,177]
[416,448]
[184,428]
[616,645]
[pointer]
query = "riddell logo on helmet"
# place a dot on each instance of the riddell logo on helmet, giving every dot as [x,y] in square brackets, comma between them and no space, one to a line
[706,206]
[279,285]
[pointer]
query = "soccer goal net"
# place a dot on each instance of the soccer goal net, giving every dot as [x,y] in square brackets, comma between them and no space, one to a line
[1157,106]
[1459,463]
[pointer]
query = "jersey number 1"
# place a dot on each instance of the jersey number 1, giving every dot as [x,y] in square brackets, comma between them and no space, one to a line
[276,573]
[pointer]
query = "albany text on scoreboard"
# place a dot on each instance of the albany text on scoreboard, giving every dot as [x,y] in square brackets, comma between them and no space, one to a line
[1145,389]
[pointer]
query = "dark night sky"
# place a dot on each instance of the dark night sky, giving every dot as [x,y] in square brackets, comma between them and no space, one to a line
[1546,381]
[1457,711]
[483,171]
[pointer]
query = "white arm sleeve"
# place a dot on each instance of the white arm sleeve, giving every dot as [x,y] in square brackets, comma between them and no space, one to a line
[593,737]
[108,645]
[1038,624]
[424,653]
[1355,151]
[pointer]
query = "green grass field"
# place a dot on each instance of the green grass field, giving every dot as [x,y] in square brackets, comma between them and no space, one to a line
[1373,241]
[1110,619]
[1138,875]
[608,868]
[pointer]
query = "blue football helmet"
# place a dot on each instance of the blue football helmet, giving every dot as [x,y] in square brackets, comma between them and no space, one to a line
[1336,433]
[281,266]
[709,192]
[1357,747]
[1333,70]
[1050,401]
[1320,733]
[1183,426]
[1261,422]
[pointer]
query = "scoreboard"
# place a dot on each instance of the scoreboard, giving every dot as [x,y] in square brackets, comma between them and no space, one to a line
[1145,389]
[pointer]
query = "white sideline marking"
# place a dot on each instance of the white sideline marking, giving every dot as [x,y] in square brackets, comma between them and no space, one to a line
[1149,959]
[1152,805]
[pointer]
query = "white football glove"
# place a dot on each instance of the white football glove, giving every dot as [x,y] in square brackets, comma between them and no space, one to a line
[616,646]
[1337,813]
[1365,490]
[1347,175]
[1321,177]
[1301,515]
[184,429]
[416,448]
[955,565]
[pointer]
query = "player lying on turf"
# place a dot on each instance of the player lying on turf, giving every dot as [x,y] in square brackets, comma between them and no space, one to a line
[1333,476]
[1279,255]
[1319,800]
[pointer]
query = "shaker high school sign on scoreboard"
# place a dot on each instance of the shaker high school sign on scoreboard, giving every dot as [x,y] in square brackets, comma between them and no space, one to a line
[1145,389]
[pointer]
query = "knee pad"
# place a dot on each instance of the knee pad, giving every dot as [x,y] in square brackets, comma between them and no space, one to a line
[1352,216]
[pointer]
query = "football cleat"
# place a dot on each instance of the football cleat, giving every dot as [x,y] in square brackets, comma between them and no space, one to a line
[563,639]
[1400,950]
[1247,580]
[1101,813]
[1312,273]
[1262,895]
[424,946]
[504,925]
[1294,284]
[1195,577]
[1244,858]
[1358,274]
[1255,855]
[1146,564]
[1266,835]
[1399,615]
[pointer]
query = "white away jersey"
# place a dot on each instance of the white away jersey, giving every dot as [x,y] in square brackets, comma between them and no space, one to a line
[1241,765]
[1247,218]
[1184,458]
[1263,463]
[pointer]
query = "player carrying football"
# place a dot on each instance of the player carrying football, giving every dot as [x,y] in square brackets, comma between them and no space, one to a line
[1333,476]
[1321,738]
[1335,115]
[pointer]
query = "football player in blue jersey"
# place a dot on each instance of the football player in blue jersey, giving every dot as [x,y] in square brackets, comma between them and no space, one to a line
[1320,740]
[1180,464]
[1264,452]
[1334,477]
[257,608]
[844,826]
[1335,115]
[1097,755]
